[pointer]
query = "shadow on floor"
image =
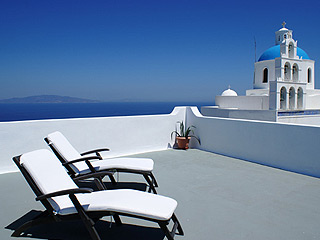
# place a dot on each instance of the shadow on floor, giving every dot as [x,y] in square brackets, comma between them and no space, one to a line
[75,230]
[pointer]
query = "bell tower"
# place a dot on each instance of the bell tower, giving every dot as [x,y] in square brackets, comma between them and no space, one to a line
[288,46]
[288,90]
[282,34]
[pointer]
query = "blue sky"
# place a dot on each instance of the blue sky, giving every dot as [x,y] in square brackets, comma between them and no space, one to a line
[143,50]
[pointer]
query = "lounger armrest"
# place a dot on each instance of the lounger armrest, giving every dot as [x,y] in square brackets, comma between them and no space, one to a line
[64,192]
[96,151]
[93,175]
[86,159]
[81,160]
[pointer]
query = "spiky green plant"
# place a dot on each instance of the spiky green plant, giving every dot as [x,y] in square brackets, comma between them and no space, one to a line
[185,131]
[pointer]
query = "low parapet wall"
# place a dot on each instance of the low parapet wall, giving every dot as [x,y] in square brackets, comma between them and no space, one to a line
[286,146]
[243,102]
[307,117]
[123,135]
[262,115]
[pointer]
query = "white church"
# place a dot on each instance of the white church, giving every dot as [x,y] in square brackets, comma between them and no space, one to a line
[283,87]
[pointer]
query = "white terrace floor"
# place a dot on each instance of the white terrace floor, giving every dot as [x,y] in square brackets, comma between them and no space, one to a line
[218,198]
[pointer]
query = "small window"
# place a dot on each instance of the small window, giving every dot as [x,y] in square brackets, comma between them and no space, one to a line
[265,75]
[309,75]
[291,51]
[287,74]
[295,73]
[283,98]
[292,98]
[300,98]
[285,36]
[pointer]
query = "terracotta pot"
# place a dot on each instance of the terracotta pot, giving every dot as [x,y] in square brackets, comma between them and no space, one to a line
[183,143]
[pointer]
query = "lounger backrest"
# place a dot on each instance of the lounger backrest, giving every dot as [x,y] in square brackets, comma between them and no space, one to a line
[49,175]
[64,148]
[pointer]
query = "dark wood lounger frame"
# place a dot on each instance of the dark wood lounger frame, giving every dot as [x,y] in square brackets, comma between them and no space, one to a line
[99,175]
[89,218]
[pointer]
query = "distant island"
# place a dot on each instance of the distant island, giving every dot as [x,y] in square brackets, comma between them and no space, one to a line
[48,99]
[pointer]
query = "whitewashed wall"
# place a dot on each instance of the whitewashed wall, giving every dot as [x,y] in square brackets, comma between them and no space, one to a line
[123,135]
[313,101]
[286,146]
[263,115]
[304,119]
[258,74]
[243,102]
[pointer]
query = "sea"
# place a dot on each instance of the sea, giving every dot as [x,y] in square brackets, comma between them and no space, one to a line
[37,111]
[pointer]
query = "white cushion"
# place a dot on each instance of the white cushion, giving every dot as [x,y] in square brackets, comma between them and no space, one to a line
[126,201]
[49,175]
[141,164]
[69,153]
[63,145]
[66,150]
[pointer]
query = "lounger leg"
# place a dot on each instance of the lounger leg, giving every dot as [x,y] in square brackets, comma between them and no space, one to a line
[166,231]
[154,180]
[151,186]
[88,222]
[111,177]
[176,221]
[176,226]
[99,184]
[92,231]
[42,218]
[117,219]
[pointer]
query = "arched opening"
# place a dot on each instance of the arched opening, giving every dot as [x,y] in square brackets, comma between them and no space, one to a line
[309,75]
[283,98]
[292,98]
[295,73]
[300,98]
[291,51]
[287,74]
[265,75]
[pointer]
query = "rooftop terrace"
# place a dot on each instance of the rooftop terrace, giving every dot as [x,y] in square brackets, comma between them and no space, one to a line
[218,197]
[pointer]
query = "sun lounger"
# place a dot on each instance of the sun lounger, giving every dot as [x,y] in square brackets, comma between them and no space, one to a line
[80,166]
[64,201]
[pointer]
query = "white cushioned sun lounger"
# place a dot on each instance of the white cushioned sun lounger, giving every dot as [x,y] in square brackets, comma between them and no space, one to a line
[80,167]
[63,199]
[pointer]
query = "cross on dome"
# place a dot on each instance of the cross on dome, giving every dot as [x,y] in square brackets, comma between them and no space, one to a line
[284,24]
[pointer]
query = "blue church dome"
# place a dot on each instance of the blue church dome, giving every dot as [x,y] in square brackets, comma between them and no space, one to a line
[274,52]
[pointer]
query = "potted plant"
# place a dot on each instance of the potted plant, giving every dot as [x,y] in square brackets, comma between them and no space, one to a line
[183,136]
